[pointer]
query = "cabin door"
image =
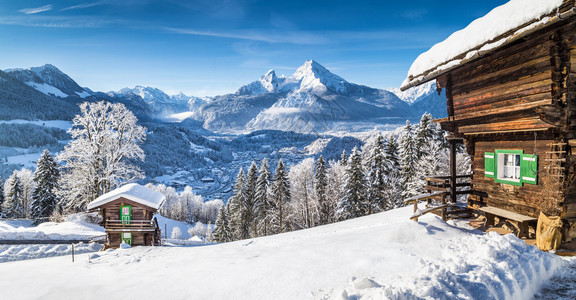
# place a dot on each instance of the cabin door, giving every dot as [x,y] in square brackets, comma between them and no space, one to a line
[126,214]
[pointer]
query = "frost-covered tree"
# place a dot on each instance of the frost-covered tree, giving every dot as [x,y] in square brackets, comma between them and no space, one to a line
[344,158]
[408,157]
[375,182]
[335,190]
[100,157]
[1,198]
[434,162]
[392,157]
[238,221]
[222,232]
[14,205]
[250,206]
[280,193]
[304,208]
[320,189]
[46,177]
[264,204]
[354,203]
[423,134]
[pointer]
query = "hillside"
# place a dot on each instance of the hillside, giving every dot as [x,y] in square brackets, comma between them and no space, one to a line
[379,256]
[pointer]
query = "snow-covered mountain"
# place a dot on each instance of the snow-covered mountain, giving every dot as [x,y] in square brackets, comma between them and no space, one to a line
[49,80]
[311,99]
[424,98]
[163,103]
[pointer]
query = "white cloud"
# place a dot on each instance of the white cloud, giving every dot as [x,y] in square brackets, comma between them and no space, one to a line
[83,5]
[36,10]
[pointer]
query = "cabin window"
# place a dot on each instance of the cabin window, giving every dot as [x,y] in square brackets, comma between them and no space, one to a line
[511,167]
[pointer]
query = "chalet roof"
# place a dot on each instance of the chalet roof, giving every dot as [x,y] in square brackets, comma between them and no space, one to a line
[133,192]
[502,25]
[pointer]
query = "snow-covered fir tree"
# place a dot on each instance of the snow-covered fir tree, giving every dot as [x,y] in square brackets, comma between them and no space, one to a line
[408,158]
[14,204]
[354,203]
[100,157]
[344,158]
[250,206]
[320,186]
[391,157]
[280,194]
[376,177]
[1,198]
[239,224]
[265,205]
[46,177]
[222,232]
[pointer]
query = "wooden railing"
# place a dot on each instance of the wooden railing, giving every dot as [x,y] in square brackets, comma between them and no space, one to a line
[131,225]
[443,184]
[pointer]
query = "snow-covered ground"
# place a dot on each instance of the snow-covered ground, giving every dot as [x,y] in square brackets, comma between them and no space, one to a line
[61,124]
[75,227]
[379,256]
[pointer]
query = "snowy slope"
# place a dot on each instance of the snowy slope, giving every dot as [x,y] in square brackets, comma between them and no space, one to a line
[424,99]
[377,257]
[49,80]
[163,103]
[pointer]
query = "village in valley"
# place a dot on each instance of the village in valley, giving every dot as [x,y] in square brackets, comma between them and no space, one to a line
[458,184]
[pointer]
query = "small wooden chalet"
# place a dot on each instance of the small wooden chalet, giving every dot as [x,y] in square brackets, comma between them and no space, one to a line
[510,83]
[128,215]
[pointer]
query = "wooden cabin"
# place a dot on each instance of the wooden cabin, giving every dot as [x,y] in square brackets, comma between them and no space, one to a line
[510,83]
[128,215]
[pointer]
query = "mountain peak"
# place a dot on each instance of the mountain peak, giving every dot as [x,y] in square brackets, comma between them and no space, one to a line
[315,77]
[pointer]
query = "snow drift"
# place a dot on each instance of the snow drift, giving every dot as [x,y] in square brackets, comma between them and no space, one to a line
[379,256]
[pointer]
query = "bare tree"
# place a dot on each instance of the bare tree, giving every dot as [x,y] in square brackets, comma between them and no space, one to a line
[105,143]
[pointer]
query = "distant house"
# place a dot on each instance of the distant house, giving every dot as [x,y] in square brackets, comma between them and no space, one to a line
[127,214]
[510,82]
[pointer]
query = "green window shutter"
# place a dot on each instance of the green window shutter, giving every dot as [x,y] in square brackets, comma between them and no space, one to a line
[489,164]
[529,168]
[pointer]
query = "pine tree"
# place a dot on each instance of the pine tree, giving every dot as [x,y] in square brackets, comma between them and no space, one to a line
[423,134]
[237,213]
[281,197]
[320,186]
[375,178]
[1,198]
[354,203]
[14,202]
[46,178]
[222,232]
[392,160]
[343,158]
[263,203]
[407,158]
[250,201]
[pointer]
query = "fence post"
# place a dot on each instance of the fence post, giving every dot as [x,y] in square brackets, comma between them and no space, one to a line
[72,252]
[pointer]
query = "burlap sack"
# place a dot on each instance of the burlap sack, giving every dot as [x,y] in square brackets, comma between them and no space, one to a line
[548,234]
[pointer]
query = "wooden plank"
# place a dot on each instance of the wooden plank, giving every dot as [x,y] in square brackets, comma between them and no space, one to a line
[491,114]
[427,210]
[522,124]
[491,103]
[424,197]
[507,214]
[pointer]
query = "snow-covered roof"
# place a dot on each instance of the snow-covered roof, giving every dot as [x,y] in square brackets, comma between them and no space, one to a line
[500,26]
[133,192]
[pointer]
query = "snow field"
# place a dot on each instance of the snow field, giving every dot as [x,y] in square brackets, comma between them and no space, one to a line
[24,252]
[374,257]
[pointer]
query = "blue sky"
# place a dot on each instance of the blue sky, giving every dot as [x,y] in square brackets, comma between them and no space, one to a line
[211,47]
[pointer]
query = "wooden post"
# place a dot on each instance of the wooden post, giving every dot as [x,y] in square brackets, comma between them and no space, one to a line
[72,252]
[453,170]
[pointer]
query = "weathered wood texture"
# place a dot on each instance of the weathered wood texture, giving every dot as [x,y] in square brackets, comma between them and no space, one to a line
[528,199]
[523,86]
[111,211]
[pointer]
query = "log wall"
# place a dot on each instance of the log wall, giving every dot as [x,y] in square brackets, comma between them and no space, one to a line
[528,199]
[500,100]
